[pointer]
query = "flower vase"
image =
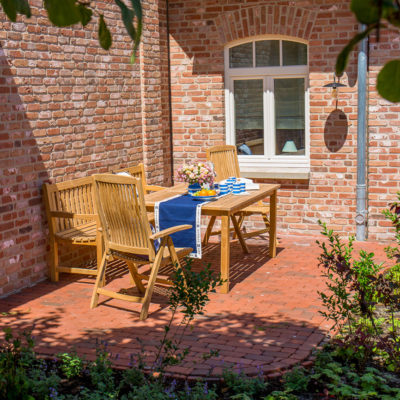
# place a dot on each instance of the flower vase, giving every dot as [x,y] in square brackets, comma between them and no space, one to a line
[193,188]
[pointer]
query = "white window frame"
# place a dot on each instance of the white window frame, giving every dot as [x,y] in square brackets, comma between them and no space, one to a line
[268,165]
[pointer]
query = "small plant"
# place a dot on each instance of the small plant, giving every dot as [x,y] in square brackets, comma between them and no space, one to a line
[335,262]
[189,294]
[357,290]
[242,386]
[22,375]
[71,364]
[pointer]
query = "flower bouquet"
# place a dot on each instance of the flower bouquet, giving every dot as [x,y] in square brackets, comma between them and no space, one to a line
[201,173]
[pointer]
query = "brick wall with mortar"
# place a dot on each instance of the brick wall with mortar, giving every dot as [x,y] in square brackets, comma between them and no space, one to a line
[69,109]
[199,32]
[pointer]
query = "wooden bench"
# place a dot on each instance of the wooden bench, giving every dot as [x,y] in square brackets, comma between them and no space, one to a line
[72,217]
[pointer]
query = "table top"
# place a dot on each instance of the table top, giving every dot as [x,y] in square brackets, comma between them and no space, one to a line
[225,205]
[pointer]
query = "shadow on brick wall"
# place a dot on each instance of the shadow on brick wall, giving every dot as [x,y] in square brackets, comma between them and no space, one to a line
[22,172]
[335,131]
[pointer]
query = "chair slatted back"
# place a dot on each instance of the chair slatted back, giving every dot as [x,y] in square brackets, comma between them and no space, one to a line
[137,171]
[122,211]
[76,196]
[225,161]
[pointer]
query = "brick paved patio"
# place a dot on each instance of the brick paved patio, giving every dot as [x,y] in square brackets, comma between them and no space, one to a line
[268,321]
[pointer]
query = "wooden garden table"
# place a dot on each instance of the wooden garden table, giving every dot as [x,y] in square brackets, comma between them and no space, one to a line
[226,207]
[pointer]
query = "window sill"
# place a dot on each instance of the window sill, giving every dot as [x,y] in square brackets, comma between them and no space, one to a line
[260,171]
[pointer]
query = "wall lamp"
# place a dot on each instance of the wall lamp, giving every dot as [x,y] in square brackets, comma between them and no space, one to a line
[335,85]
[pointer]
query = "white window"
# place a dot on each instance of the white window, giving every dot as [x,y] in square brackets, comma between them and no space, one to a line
[266,93]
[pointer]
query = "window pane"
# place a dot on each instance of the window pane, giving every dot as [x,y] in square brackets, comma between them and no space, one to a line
[289,116]
[249,116]
[267,53]
[241,56]
[294,53]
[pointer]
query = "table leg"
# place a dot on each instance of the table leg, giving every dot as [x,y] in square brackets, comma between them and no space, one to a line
[225,250]
[272,226]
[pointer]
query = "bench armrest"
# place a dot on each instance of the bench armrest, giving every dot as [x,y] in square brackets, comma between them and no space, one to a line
[71,215]
[169,231]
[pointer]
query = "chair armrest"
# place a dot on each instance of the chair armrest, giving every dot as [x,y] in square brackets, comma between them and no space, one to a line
[169,231]
[71,215]
[154,188]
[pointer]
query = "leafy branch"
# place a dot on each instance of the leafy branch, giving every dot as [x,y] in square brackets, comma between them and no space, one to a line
[64,13]
[375,15]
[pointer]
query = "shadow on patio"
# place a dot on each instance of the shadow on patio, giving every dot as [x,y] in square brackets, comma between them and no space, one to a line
[268,320]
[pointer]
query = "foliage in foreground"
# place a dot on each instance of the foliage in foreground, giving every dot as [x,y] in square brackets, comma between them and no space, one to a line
[334,375]
[363,298]
[376,15]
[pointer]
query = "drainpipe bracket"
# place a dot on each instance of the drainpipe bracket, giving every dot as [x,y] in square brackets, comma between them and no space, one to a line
[361,217]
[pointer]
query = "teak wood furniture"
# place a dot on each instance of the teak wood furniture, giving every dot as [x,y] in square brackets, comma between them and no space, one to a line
[72,218]
[137,171]
[127,235]
[227,207]
[226,164]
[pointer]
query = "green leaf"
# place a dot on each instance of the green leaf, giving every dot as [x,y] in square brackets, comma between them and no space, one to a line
[10,9]
[104,34]
[343,57]
[62,13]
[127,18]
[393,16]
[366,11]
[85,13]
[23,7]
[388,82]
[138,11]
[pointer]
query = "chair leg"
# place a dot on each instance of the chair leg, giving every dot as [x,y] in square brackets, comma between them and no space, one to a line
[209,230]
[135,276]
[240,223]
[152,279]
[174,258]
[54,274]
[238,233]
[99,256]
[99,279]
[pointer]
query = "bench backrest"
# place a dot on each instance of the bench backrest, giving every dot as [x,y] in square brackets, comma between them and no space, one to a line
[75,196]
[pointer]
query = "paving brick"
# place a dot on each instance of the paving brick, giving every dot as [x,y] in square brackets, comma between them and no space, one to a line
[61,320]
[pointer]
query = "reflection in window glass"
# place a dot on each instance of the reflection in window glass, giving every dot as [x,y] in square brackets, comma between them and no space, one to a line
[241,56]
[249,116]
[289,116]
[294,53]
[267,53]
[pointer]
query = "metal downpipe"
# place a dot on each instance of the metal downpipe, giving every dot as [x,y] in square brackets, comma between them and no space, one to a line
[361,188]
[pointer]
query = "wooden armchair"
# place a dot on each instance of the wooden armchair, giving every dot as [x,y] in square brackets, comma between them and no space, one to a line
[226,164]
[72,218]
[127,235]
[137,171]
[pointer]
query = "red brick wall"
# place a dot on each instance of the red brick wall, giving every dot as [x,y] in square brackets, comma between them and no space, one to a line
[68,109]
[199,32]
[384,136]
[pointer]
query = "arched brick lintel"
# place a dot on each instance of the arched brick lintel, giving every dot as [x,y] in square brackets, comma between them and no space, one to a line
[265,20]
